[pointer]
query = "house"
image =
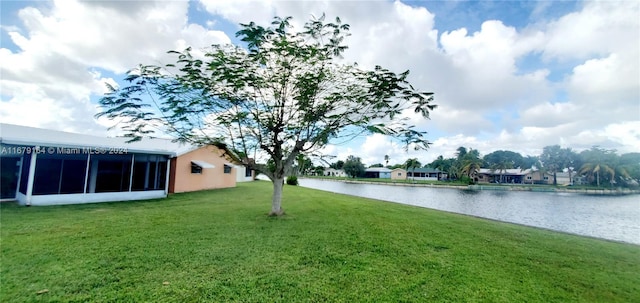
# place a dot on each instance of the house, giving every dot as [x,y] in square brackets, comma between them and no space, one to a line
[536,177]
[377,172]
[398,174]
[511,175]
[244,174]
[332,172]
[200,168]
[426,173]
[46,167]
[562,178]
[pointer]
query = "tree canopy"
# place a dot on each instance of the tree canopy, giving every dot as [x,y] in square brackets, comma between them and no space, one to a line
[354,167]
[555,158]
[283,94]
[595,166]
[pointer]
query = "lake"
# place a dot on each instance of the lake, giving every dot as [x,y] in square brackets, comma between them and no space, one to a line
[608,217]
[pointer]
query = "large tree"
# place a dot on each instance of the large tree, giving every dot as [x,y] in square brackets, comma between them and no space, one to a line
[303,165]
[353,167]
[513,159]
[501,160]
[632,162]
[529,162]
[554,159]
[284,93]
[337,165]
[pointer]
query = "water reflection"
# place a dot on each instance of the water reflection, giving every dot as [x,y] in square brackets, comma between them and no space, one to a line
[608,217]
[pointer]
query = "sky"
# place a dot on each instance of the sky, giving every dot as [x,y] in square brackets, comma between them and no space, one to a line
[507,75]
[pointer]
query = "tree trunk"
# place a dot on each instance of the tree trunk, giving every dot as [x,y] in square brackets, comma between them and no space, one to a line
[570,179]
[276,201]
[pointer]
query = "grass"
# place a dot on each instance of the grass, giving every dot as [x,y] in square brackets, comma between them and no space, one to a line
[217,246]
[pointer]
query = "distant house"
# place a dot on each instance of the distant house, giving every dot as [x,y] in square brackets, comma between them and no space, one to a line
[562,178]
[511,175]
[426,173]
[526,176]
[536,177]
[398,174]
[377,172]
[332,172]
[45,167]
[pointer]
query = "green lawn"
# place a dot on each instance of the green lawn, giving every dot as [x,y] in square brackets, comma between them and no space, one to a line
[220,246]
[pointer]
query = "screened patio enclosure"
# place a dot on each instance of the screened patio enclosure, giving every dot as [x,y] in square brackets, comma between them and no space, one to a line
[47,178]
[47,167]
[43,167]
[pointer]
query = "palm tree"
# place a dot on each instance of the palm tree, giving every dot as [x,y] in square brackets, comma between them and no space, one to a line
[461,152]
[412,164]
[599,161]
[470,166]
[611,170]
[443,165]
[593,168]
[501,166]
[454,170]
[620,170]
[386,160]
[470,163]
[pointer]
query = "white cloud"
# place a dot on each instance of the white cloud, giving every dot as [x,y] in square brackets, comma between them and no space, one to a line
[549,114]
[486,99]
[483,67]
[606,82]
[30,106]
[600,28]
[627,134]
[53,72]
[241,11]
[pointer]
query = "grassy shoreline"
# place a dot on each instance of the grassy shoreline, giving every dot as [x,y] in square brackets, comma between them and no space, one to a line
[220,246]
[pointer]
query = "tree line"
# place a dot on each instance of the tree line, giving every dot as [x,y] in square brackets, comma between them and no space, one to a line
[598,166]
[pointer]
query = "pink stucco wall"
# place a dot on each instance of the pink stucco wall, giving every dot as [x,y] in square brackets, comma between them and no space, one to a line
[182,180]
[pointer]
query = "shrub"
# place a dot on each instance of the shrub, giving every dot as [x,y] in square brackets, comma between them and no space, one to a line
[292,180]
[467,180]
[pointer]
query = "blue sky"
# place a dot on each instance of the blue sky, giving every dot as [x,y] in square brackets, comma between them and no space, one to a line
[515,75]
